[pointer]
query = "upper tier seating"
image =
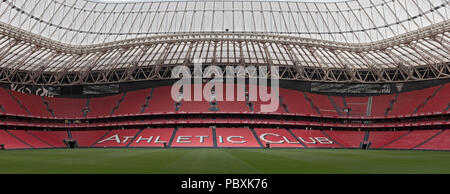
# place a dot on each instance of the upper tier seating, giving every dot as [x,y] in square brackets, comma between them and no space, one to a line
[324,104]
[439,102]
[103,106]
[9,104]
[67,107]
[258,103]
[413,139]
[33,103]
[348,139]
[192,103]
[381,104]
[233,105]
[296,102]
[340,104]
[357,105]
[133,102]
[408,102]
[161,101]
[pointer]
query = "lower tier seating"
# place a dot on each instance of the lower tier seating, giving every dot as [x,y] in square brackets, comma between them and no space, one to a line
[155,137]
[87,138]
[227,138]
[52,138]
[11,142]
[29,139]
[314,139]
[236,137]
[412,139]
[378,139]
[193,137]
[440,142]
[117,138]
[348,139]
[277,138]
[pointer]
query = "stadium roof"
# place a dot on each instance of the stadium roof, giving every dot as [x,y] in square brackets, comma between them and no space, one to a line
[100,41]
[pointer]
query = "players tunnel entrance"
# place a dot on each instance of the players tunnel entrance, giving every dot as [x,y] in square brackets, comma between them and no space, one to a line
[365,145]
[71,143]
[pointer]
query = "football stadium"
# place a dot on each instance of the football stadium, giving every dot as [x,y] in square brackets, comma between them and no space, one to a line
[224,87]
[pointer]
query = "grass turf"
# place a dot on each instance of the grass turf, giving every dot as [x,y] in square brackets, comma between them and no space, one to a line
[222,161]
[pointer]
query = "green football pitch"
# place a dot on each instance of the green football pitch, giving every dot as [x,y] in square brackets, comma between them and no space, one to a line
[222,161]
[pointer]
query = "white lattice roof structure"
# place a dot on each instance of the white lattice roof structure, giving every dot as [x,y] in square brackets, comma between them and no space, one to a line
[67,42]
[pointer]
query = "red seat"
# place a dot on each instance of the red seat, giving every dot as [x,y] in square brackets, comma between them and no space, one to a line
[296,102]
[440,142]
[348,139]
[103,106]
[133,102]
[67,107]
[357,105]
[153,137]
[161,101]
[9,104]
[117,138]
[439,102]
[379,139]
[88,138]
[408,102]
[236,137]
[324,104]
[277,138]
[33,103]
[259,103]
[314,139]
[380,104]
[413,139]
[193,137]
[53,138]
[29,139]
[10,142]
[235,104]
